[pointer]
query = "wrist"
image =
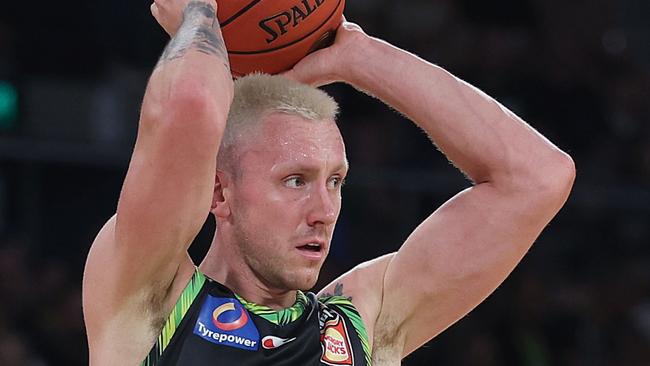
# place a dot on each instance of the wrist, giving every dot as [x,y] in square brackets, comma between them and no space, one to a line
[358,60]
[349,46]
[204,8]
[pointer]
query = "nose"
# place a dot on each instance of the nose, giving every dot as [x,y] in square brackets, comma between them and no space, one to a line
[323,208]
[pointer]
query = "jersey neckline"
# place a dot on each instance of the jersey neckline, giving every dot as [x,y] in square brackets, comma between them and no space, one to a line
[277,317]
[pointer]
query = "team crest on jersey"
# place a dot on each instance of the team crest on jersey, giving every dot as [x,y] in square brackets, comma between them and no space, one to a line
[334,340]
[224,321]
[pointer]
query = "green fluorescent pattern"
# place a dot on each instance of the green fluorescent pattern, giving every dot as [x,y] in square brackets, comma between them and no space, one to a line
[279,317]
[345,305]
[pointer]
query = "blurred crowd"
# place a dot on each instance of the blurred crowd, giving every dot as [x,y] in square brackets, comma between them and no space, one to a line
[579,72]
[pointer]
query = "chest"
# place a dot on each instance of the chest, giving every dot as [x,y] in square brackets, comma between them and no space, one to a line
[223,332]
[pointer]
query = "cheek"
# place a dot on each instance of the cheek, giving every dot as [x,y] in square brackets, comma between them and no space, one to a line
[274,205]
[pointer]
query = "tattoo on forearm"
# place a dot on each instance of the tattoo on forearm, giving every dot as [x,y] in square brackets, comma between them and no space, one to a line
[209,42]
[338,291]
[207,10]
[200,31]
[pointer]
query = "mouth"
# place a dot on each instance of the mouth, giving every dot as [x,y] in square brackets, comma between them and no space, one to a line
[312,249]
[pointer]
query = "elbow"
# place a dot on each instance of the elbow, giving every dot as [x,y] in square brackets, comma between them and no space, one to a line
[188,99]
[553,180]
[560,175]
[188,105]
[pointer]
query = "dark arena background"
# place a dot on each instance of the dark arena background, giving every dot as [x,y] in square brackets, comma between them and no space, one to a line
[72,76]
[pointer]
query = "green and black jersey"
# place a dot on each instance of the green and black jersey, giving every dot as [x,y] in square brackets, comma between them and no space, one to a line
[211,325]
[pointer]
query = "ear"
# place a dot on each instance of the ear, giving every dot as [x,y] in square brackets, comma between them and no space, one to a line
[220,204]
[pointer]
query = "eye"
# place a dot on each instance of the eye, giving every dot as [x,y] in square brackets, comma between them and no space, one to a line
[336,182]
[294,182]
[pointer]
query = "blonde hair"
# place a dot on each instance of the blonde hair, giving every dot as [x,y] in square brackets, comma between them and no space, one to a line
[258,95]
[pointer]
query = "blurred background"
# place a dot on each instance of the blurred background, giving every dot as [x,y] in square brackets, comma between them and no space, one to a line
[72,76]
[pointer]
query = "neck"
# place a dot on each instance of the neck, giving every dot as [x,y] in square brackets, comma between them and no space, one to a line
[228,268]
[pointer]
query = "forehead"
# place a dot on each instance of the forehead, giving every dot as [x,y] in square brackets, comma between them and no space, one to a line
[286,139]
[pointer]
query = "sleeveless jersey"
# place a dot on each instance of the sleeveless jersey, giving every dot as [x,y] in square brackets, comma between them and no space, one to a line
[211,325]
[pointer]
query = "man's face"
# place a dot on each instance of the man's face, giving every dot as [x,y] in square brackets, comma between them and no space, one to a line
[287,198]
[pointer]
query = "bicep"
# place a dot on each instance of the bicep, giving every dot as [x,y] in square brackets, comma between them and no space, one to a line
[456,258]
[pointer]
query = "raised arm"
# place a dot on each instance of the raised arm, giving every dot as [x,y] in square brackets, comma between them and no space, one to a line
[168,189]
[467,247]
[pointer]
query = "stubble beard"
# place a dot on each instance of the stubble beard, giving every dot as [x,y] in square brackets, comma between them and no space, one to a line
[266,262]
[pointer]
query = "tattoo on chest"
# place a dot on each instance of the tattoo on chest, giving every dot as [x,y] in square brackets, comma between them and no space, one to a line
[199,31]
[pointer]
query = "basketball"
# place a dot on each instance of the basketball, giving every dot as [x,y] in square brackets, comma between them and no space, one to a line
[271,36]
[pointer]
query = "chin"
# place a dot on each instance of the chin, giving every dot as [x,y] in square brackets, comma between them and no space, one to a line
[303,280]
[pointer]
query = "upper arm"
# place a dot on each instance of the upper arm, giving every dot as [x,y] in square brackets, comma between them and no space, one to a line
[459,255]
[450,263]
[447,266]
[165,198]
[167,192]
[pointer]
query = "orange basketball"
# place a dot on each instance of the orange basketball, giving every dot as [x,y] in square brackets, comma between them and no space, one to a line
[273,35]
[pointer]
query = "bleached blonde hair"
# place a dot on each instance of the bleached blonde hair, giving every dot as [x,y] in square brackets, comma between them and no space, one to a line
[258,95]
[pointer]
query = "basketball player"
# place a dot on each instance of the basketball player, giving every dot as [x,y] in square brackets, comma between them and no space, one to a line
[269,165]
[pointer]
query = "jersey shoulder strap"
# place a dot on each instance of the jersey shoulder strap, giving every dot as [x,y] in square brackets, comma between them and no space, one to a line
[347,308]
[183,304]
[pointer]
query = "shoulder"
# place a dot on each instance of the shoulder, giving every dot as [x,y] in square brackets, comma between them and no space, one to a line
[362,288]
[343,306]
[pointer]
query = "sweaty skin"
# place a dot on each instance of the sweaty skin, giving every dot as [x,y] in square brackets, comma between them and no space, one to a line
[286,193]
[167,191]
[468,246]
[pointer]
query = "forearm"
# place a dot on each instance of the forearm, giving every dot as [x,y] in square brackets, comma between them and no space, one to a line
[480,136]
[193,72]
[170,182]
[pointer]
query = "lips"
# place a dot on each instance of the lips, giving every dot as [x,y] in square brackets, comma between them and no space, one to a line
[313,248]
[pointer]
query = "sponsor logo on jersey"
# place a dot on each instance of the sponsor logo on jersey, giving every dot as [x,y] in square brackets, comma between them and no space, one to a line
[325,315]
[335,342]
[224,321]
[271,342]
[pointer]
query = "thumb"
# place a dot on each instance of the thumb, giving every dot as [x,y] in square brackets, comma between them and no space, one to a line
[297,74]
[310,70]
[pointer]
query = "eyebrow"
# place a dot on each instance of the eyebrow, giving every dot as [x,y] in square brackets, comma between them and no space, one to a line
[309,167]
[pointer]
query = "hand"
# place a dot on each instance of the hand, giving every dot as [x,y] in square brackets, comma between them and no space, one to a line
[169,13]
[329,65]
